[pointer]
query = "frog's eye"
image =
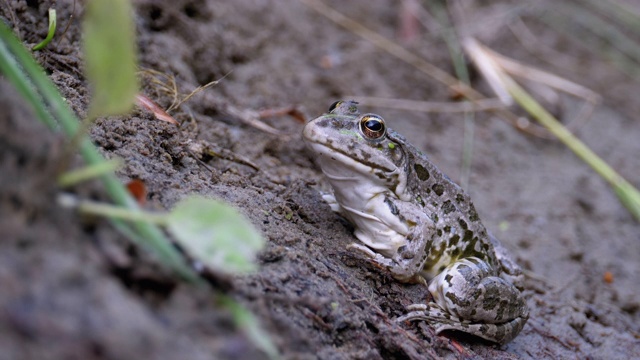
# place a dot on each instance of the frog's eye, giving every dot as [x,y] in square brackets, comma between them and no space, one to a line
[335,105]
[372,127]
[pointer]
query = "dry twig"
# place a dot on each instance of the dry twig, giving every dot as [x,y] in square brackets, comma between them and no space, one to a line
[430,106]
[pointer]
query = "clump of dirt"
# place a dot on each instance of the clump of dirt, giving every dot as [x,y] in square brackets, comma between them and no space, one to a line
[74,288]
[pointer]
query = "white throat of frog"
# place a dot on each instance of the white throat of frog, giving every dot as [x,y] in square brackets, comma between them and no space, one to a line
[361,195]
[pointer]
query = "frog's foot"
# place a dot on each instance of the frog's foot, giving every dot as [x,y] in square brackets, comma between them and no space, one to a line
[373,256]
[441,321]
[387,264]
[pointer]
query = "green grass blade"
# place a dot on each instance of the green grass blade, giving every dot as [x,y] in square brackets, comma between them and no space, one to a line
[11,68]
[624,15]
[52,31]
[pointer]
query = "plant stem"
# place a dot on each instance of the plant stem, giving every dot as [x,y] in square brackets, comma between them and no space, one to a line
[73,177]
[111,211]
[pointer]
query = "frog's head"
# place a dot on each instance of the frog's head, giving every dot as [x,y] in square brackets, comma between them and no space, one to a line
[357,147]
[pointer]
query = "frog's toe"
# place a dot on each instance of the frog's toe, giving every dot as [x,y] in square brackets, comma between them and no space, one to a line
[431,313]
[362,250]
[330,199]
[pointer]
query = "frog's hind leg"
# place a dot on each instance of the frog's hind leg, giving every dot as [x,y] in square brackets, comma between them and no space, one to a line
[470,297]
[441,321]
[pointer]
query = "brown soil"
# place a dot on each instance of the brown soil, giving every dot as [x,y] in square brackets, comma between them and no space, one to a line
[74,288]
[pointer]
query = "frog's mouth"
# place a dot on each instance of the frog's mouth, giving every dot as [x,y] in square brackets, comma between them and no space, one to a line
[348,174]
[337,164]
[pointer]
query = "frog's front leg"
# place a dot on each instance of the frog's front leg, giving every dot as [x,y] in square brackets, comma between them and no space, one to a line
[469,297]
[401,241]
[402,271]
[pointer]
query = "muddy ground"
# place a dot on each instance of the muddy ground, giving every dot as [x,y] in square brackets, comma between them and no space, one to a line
[73,287]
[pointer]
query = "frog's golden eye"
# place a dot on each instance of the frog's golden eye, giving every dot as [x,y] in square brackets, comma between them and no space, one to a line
[372,127]
[335,105]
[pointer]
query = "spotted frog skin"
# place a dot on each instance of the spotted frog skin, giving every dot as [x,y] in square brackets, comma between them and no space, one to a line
[413,221]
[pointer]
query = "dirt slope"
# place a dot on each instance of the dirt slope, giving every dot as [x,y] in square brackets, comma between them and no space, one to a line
[74,288]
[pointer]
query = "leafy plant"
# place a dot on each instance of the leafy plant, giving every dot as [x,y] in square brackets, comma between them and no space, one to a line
[27,76]
[211,231]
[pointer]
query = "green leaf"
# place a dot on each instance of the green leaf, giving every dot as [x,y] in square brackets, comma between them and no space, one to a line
[109,47]
[216,234]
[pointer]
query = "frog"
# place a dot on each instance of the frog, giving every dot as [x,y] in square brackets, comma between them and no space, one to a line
[413,221]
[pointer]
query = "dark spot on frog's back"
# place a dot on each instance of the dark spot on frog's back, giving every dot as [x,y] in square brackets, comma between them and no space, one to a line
[434,217]
[422,173]
[454,240]
[473,214]
[448,207]
[455,253]
[438,189]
